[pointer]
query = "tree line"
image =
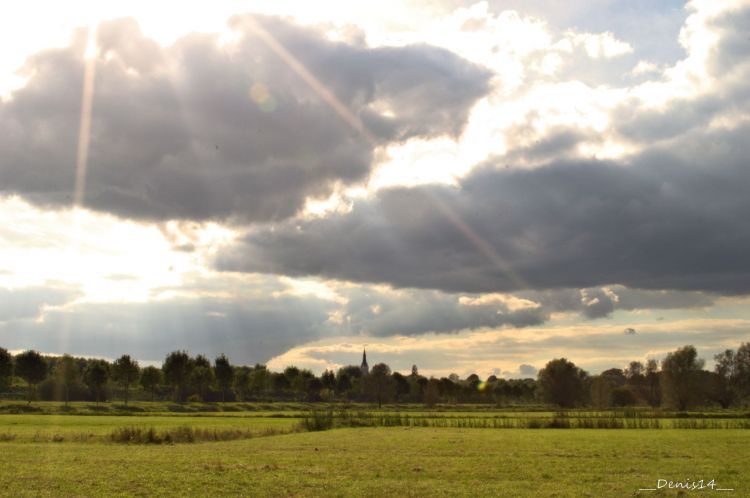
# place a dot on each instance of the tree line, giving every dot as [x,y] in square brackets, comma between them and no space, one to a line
[679,381]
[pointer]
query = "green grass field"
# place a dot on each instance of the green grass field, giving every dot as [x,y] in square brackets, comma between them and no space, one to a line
[71,455]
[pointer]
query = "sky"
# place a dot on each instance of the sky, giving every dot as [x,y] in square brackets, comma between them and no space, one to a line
[469,187]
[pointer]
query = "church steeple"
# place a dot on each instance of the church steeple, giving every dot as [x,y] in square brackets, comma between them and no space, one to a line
[365,369]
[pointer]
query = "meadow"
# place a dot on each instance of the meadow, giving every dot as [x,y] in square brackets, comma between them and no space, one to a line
[277,450]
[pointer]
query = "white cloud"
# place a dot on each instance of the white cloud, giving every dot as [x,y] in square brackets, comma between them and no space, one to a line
[600,45]
[644,68]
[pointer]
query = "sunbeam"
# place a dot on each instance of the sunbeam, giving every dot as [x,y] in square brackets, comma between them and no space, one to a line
[315,84]
[345,114]
[84,132]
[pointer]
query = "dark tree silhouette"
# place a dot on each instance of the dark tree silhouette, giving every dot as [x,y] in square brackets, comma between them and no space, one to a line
[329,380]
[600,390]
[96,376]
[67,373]
[151,377]
[615,377]
[653,391]
[742,369]
[260,379]
[635,373]
[680,377]
[725,378]
[379,386]
[563,383]
[6,369]
[241,383]
[224,374]
[201,361]
[402,386]
[125,372]
[177,367]
[432,392]
[200,379]
[32,368]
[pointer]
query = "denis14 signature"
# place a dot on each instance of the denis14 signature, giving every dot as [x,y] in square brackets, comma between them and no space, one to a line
[687,485]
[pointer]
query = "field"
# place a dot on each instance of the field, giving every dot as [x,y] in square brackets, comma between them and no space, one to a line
[272,453]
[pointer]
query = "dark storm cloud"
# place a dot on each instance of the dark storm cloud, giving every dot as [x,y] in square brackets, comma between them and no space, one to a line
[668,219]
[264,322]
[249,331]
[179,132]
[28,302]
[599,302]
[728,59]
[412,312]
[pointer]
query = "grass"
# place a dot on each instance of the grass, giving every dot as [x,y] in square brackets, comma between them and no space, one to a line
[37,428]
[356,450]
[397,461]
[186,434]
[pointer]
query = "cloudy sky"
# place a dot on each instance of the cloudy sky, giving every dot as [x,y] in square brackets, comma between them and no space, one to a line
[469,187]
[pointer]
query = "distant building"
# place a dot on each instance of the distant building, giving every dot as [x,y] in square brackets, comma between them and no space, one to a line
[365,369]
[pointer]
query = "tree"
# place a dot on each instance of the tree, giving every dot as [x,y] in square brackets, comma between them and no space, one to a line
[432,392]
[125,372]
[6,369]
[314,388]
[681,376]
[343,382]
[601,392]
[151,377]
[260,379]
[201,361]
[224,374]
[615,377]
[177,366]
[634,373]
[292,376]
[96,376]
[379,386]
[242,379]
[403,388]
[32,368]
[279,382]
[200,379]
[742,369]
[67,373]
[563,383]
[329,380]
[447,388]
[653,392]
[725,379]
[623,396]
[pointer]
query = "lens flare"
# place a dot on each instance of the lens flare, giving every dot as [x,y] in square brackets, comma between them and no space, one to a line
[260,94]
